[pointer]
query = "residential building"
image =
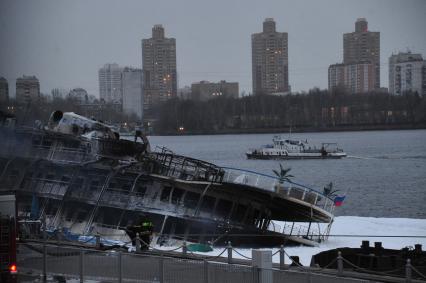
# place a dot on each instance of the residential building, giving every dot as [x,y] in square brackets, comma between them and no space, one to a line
[159,67]
[4,90]
[363,46]
[407,72]
[110,83]
[27,89]
[270,60]
[205,90]
[132,91]
[336,76]
[184,92]
[353,78]
[79,95]
[58,93]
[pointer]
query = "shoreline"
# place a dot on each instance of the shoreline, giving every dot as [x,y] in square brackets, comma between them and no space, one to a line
[358,128]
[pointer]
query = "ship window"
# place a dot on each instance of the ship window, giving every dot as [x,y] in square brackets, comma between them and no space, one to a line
[195,231]
[223,208]
[208,203]
[36,141]
[50,176]
[108,216]
[79,182]
[141,190]
[65,179]
[47,142]
[112,185]
[239,213]
[191,199]
[81,215]
[129,218]
[154,196]
[165,194]
[256,216]
[69,214]
[126,187]
[51,208]
[180,228]
[94,184]
[177,195]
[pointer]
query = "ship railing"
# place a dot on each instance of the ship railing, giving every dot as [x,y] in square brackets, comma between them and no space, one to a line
[273,184]
[47,187]
[59,153]
[185,168]
[305,230]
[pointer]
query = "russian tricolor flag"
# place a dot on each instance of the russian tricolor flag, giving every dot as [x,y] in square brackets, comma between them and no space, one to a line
[338,201]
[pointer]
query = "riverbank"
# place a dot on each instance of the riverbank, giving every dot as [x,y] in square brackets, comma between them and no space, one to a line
[296,129]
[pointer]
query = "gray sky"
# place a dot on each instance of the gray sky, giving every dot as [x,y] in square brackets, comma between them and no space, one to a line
[64,43]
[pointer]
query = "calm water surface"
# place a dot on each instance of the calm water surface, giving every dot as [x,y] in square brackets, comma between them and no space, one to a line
[384,175]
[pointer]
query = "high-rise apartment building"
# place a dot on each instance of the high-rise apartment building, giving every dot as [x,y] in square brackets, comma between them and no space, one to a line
[27,89]
[205,90]
[110,83]
[4,90]
[159,67]
[132,91]
[353,78]
[78,95]
[363,46]
[270,60]
[407,72]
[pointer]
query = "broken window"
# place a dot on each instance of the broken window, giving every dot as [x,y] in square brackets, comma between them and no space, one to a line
[223,208]
[208,204]
[239,213]
[177,195]
[191,199]
[165,194]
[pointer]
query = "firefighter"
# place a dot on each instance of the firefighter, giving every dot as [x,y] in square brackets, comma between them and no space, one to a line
[144,227]
[146,233]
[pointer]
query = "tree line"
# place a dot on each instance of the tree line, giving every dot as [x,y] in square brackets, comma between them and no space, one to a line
[41,108]
[312,111]
[315,110]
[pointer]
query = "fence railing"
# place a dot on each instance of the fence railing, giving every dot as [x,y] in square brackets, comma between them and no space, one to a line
[41,261]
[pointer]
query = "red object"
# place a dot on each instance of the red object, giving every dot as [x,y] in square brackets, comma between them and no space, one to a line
[338,203]
[338,200]
[13,269]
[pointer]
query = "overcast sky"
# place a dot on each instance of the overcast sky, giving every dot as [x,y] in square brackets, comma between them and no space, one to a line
[64,43]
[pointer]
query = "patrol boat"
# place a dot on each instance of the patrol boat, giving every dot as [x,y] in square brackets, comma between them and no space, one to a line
[295,149]
[78,175]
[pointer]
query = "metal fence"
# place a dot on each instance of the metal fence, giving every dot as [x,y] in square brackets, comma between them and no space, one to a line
[56,262]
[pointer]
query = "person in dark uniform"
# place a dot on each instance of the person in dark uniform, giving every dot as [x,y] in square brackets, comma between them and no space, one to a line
[146,233]
[144,227]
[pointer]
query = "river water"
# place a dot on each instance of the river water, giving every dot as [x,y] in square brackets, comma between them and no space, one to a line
[384,174]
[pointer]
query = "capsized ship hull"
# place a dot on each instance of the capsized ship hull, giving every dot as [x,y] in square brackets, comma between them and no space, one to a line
[97,186]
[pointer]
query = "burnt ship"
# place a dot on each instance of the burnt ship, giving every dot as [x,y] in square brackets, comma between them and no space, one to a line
[87,180]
